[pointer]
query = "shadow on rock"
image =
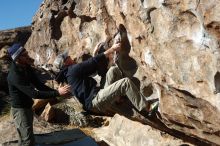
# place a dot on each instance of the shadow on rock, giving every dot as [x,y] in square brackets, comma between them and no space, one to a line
[61,138]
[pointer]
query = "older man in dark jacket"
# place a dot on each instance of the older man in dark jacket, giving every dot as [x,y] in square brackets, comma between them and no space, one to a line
[23,86]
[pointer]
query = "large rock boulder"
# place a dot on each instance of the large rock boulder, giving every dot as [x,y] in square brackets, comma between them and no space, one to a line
[10,36]
[174,44]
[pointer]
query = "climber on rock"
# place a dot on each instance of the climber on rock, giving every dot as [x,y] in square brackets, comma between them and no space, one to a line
[84,87]
[23,86]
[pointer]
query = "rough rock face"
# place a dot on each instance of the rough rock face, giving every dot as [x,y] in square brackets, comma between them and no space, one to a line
[4,68]
[173,44]
[8,37]
[193,116]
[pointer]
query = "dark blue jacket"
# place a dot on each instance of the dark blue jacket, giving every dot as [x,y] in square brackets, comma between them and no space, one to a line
[82,85]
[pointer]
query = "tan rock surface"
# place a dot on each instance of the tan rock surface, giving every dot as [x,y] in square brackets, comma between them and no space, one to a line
[122,131]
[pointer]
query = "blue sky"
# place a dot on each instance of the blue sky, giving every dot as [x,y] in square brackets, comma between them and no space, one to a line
[17,13]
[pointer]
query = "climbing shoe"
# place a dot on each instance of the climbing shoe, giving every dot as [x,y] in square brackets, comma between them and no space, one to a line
[153,108]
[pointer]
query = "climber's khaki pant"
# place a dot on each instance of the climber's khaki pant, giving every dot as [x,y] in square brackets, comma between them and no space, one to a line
[116,86]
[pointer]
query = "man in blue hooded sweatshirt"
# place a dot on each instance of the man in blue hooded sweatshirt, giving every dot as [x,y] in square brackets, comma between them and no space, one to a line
[84,87]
